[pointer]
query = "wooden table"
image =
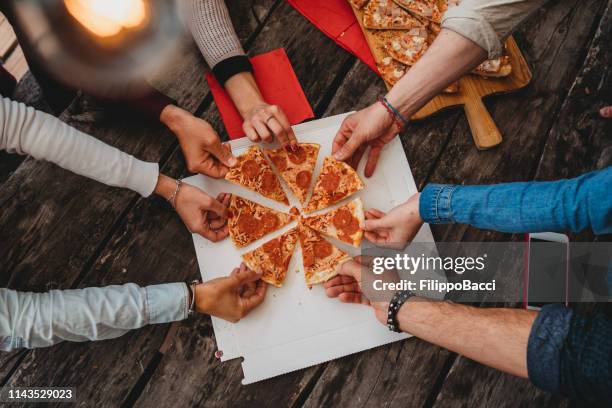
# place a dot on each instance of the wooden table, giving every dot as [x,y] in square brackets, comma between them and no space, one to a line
[60,231]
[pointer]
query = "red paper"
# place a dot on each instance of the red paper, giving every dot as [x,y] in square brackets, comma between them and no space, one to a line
[278,85]
[335,18]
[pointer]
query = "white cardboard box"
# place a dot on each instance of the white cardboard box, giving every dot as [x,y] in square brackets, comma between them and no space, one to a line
[297,327]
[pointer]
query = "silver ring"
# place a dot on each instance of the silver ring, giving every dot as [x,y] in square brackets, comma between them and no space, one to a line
[267,120]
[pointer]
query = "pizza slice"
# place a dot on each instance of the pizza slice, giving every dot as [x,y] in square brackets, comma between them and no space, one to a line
[391,70]
[253,172]
[320,258]
[494,68]
[386,15]
[422,8]
[272,258]
[296,168]
[343,223]
[407,47]
[358,3]
[249,221]
[336,181]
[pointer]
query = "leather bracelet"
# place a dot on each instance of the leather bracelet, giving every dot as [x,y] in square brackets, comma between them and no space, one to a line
[394,306]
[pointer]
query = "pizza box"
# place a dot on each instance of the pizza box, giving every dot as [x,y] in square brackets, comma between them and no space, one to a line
[297,327]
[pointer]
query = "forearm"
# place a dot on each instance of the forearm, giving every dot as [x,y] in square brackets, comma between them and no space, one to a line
[449,58]
[27,131]
[33,320]
[244,92]
[214,34]
[573,204]
[495,337]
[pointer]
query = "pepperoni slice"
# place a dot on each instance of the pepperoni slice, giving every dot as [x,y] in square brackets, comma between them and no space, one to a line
[268,182]
[250,168]
[280,162]
[247,223]
[308,258]
[345,222]
[270,221]
[271,246]
[322,249]
[330,182]
[299,156]
[302,179]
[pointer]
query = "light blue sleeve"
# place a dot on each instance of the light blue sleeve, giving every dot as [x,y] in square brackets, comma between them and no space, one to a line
[565,205]
[34,320]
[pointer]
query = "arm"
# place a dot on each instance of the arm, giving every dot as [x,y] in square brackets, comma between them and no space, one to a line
[214,34]
[34,320]
[573,204]
[470,32]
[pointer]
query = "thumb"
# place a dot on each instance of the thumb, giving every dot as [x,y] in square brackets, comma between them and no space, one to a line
[347,150]
[216,207]
[350,268]
[378,223]
[223,153]
[246,275]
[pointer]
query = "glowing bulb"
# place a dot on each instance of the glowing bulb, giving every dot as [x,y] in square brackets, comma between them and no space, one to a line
[106,18]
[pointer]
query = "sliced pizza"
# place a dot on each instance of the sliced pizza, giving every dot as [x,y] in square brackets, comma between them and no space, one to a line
[272,258]
[358,3]
[249,221]
[422,8]
[386,15]
[320,258]
[253,172]
[336,181]
[343,223]
[407,47]
[391,70]
[494,68]
[296,168]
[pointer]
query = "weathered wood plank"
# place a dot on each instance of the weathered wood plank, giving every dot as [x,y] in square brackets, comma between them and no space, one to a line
[50,232]
[576,144]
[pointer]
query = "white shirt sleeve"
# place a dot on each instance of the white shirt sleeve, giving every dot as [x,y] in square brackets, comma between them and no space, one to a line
[24,130]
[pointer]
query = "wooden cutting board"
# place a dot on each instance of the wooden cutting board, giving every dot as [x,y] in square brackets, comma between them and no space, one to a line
[472,88]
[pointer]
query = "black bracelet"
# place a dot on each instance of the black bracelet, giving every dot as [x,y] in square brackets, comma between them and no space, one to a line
[394,306]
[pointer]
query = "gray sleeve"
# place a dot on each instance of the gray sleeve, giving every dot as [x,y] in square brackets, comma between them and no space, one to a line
[31,320]
[489,22]
[212,31]
[24,130]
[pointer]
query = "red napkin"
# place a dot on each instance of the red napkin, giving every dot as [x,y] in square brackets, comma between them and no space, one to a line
[335,18]
[278,85]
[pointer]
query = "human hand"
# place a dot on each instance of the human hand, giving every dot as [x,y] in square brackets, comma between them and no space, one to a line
[232,297]
[203,150]
[396,228]
[372,126]
[264,122]
[346,286]
[203,214]
[606,112]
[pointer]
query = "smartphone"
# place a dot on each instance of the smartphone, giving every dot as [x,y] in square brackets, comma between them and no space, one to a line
[547,271]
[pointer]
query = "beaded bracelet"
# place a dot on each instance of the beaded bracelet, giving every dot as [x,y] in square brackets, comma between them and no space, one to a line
[399,118]
[394,306]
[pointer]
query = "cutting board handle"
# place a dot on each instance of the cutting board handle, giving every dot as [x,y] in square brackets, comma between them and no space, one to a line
[484,131]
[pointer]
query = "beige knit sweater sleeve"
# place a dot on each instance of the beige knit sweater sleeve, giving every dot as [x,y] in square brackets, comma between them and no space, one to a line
[212,30]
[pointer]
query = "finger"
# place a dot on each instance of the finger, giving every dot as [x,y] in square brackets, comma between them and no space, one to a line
[349,148]
[372,161]
[211,168]
[338,280]
[336,291]
[212,235]
[350,268]
[254,300]
[352,297]
[356,157]
[246,275]
[262,130]
[222,154]
[375,238]
[378,223]
[373,214]
[218,223]
[284,122]
[250,132]
[278,131]
[365,260]
[224,198]
[211,204]
[606,112]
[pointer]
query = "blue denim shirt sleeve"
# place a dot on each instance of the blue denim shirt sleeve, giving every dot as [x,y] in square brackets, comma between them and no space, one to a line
[573,204]
[33,320]
[571,354]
